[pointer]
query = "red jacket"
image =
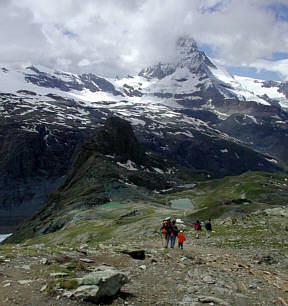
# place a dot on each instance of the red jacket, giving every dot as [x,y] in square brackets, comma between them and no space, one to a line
[181,237]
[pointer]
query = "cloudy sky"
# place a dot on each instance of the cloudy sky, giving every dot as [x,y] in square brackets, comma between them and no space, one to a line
[116,37]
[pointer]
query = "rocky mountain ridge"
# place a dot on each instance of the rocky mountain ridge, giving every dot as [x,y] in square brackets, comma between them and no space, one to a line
[111,166]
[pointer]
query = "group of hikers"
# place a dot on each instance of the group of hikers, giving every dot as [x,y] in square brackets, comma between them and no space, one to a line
[170,231]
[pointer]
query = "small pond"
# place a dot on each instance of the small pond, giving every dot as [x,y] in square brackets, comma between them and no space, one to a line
[112,204]
[184,203]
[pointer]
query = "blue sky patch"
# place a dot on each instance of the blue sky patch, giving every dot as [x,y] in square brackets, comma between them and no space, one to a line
[263,74]
[280,11]
[253,73]
[64,31]
[217,7]
[278,56]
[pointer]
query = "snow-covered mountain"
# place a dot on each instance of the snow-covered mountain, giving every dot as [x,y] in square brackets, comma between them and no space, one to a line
[194,74]
[190,110]
[192,90]
[179,84]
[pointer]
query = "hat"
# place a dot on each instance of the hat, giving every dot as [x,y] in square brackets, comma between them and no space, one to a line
[181,231]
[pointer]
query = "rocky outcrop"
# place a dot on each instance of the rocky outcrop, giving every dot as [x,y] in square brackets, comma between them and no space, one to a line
[265,130]
[104,282]
[220,157]
[117,139]
[110,166]
[33,163]
[66,81]
[135,253]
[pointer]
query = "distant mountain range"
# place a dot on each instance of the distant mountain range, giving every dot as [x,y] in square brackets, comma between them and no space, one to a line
[190,111]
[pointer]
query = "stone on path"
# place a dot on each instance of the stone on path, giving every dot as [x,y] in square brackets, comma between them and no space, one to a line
[87,260]
[212,299]
[136,254]
[105,281]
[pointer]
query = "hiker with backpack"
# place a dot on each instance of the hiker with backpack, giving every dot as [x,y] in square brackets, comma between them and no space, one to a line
[181,238]
[197,228]
[208,227]
[166,231]
[174,233]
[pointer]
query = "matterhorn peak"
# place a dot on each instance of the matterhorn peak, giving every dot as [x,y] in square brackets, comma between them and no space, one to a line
[186,45]
[187,55]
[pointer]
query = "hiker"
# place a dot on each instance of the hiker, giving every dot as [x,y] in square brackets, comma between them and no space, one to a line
[181,238]
[174,233]
[166,230]
[197,228]
[208,227]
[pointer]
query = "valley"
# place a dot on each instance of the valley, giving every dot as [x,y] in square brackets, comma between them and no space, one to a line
[90,166]
[190,111]
[128,125]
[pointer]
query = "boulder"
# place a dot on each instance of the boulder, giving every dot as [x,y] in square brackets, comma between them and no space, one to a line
[105,281]
[277,211]
[87,293]
[136,254]
[211,300]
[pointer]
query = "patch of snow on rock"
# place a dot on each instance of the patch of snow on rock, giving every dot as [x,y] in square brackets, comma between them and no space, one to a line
[4,236]
[158,170]
[271,160]
[129,165]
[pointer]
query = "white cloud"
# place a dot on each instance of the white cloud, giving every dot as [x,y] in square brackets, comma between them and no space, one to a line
[120,36]
[280,67]
[84,62]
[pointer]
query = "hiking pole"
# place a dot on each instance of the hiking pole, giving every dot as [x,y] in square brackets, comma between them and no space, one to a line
[162,237]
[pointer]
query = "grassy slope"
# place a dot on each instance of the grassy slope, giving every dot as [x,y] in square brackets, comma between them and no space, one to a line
[215,198]
[93,225]
[119,226]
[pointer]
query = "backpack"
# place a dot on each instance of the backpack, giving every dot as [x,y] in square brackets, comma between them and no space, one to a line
[208,226]
[165,227]
[196,227]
